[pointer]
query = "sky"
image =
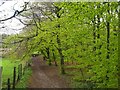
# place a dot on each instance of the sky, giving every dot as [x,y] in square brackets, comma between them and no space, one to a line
[7,10]
[13,25]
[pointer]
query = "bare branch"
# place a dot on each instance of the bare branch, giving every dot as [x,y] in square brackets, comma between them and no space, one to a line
[16,13]
[2,3]
[27,24]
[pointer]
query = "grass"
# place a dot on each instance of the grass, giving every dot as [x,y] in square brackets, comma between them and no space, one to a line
[24,80]
[7,72]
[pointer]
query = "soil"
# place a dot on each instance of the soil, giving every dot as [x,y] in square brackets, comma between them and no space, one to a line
[45,76]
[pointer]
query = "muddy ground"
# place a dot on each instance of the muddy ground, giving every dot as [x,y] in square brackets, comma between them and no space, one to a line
[45,76]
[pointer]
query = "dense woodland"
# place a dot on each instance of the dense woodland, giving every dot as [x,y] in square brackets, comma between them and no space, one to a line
[72,34]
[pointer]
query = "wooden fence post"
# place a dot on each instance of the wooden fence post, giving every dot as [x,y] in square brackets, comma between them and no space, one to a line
[1,68]
[24,69]
[18,77]
[14,78]
[8,84]
[20,71]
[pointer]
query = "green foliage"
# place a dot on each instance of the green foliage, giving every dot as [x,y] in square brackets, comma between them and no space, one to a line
[25,79]
[82,27]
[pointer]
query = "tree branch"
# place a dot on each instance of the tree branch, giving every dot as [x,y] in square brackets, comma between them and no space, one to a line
[16,13]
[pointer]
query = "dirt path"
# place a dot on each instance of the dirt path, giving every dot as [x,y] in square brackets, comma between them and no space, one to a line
[45,76]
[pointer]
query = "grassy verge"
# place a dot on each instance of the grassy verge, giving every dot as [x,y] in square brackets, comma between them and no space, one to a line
[7,72]
[24,80]
[77,77]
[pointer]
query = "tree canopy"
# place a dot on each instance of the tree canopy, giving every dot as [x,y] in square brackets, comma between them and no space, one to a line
[81,32]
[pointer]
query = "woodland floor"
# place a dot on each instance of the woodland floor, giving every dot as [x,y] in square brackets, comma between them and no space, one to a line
[45,76]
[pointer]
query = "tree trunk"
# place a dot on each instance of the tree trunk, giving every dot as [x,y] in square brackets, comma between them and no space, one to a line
[108,35]
[108,41]
[54,59]
[44,56]
[59,42]
[94,34]
[61,55]
[48,55]
[61,61]
[98,33]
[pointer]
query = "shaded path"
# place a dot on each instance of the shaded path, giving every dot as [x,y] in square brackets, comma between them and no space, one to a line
[45,76]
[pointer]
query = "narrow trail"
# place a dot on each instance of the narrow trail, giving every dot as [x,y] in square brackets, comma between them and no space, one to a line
[45,76]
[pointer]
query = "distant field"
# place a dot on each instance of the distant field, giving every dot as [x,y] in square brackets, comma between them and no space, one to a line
[8,65]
